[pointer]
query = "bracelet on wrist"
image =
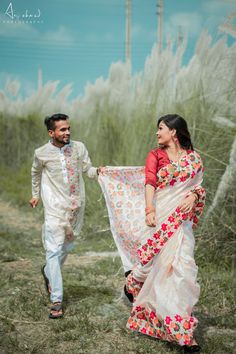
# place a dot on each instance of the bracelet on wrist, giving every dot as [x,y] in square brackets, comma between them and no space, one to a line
[196,195]
[149,210]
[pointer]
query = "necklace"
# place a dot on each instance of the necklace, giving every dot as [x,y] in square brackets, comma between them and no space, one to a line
[176,156]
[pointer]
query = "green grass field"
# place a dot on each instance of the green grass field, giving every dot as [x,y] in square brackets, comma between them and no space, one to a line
[95,314]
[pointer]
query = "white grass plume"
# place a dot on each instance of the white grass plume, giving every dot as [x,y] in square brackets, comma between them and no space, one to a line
[226,182]
[210,77]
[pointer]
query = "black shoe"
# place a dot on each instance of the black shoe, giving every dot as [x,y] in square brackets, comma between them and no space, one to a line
[128,295]
[192,348]
[127,273]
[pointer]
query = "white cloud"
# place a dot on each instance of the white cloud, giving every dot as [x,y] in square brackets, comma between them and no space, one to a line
[138,31]
[18,30]
[94,37]
[108,37]
[190,22]
[219,7]
[28,31]
[62,34]
[218,11]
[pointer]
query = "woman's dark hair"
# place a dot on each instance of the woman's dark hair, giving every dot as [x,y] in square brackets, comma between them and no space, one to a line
[174,121]
[50,121]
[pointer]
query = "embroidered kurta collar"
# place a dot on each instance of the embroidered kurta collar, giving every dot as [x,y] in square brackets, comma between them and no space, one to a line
[62,148]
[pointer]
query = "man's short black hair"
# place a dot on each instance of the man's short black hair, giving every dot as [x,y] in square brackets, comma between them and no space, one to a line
[50,121]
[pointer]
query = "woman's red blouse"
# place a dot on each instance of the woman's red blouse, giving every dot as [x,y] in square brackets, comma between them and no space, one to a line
[156,159]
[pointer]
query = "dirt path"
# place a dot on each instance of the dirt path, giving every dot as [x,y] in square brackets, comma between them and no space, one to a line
[13,218]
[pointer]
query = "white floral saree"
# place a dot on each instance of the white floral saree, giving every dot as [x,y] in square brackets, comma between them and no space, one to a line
[163,280]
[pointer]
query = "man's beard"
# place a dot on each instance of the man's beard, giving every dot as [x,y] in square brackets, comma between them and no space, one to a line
[62,141]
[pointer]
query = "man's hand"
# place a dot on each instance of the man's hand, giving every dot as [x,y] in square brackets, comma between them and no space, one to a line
[101,170]
[34,202]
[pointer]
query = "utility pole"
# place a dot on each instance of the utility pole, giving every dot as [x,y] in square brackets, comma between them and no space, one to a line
[180,36]
[160,9]
[128,32]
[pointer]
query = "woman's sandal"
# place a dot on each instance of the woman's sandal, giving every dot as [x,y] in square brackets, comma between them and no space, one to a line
[46,281]
[128,295]
[56,310]
[192,348]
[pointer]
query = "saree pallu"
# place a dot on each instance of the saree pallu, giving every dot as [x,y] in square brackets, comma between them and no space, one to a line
[163,280]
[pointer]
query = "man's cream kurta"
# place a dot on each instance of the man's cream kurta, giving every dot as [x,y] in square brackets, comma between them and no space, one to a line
[57,176]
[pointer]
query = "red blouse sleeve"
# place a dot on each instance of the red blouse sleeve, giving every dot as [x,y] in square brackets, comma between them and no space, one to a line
[151,167]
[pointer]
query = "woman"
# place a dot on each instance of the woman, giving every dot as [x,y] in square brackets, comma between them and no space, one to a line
[162,283]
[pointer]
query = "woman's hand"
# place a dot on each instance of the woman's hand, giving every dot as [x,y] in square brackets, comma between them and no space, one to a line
[150,210]
[151,219]
[188,203]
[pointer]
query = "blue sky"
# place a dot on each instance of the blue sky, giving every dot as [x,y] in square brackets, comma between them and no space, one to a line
[75,41]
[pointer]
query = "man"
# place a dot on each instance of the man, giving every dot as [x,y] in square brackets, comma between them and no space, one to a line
[57,175]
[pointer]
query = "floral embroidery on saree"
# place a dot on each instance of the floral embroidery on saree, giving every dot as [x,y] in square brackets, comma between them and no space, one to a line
[133,286]
[158,240]
[173,329]
[187,168]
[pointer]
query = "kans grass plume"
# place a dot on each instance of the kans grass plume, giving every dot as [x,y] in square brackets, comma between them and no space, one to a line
[227,181]
[209,76]
[122,108]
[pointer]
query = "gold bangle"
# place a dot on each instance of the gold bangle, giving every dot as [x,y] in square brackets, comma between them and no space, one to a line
[196,195]
[149,210]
